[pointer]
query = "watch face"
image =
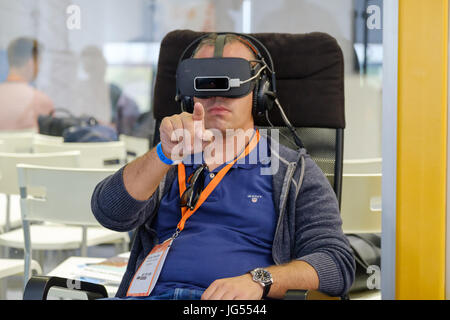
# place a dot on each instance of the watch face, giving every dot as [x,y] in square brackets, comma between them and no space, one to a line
[262,276]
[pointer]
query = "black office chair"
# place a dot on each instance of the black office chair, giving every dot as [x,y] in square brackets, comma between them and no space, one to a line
[310,86]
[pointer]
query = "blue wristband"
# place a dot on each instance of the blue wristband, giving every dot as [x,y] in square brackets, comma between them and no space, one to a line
[162,156]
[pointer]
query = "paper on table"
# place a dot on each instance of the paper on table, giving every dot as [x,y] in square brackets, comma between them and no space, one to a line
[110,270]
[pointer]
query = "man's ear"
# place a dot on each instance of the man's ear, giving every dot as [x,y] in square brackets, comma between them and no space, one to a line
[35,67]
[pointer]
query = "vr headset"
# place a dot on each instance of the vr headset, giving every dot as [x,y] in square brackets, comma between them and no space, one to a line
[226,77]
[208,77]
[229,77]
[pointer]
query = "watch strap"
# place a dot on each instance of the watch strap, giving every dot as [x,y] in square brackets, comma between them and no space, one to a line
[266,289]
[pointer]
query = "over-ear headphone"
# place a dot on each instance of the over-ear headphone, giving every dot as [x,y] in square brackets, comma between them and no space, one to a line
[264,91]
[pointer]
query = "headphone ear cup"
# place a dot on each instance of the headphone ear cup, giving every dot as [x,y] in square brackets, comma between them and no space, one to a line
[263,99]
[187,104]
[255,100]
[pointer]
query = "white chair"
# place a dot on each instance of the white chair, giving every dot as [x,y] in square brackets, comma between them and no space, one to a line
[61,196]
[135,146]
[361,203]
[37,137]
[11,267]
[362,166]
[17,141]
[2,146]
[10,217]
[93,154]
[29,130]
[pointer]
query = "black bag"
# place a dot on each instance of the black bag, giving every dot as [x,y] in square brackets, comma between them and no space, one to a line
[55,126]
[97,133]
[366,249]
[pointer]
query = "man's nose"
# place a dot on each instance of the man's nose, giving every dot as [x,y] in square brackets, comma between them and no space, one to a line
[219,99]
[215,99]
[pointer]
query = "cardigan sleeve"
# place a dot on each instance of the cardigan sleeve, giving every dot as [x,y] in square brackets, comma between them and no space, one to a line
[320,240]
[115,209]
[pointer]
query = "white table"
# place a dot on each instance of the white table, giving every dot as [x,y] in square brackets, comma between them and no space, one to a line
[70,269]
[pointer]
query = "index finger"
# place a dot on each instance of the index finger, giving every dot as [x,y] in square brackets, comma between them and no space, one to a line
[199,112]
[198,118]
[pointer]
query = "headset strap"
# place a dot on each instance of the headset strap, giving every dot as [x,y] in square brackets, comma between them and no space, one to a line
[219,45]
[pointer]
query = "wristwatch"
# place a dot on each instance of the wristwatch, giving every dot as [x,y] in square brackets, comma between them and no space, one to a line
[264,278]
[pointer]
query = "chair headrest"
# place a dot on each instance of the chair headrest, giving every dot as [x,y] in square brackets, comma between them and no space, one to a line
[309,73]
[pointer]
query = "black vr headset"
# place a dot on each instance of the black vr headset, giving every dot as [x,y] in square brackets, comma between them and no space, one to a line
[226,77]
[229,77]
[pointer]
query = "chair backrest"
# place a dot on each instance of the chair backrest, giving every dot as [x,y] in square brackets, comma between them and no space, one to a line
[362,166]
[17,141]
[310,87]
[9,161]
[93,154]
[325,146]
[2,146]
[361,203]
[135,146]
[46,138]
[59,195]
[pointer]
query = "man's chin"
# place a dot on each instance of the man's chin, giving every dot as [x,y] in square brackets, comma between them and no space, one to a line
[218,124]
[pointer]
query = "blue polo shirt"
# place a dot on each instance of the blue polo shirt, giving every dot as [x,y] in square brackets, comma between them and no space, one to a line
[230,234]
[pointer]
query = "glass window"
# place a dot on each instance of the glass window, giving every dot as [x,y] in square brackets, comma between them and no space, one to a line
[99,57]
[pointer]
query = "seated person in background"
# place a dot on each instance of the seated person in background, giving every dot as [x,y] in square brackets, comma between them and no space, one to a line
[20,103]
[103,100]
[255,235]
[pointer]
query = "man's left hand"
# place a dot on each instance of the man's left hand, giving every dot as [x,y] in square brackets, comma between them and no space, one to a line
[236,288]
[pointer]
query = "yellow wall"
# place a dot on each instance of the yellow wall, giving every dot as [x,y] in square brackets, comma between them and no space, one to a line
[421,143]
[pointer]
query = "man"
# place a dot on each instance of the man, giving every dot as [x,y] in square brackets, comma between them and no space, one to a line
[21,104]
[285,226]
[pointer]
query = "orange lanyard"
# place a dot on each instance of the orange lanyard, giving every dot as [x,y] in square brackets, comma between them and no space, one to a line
[186,213]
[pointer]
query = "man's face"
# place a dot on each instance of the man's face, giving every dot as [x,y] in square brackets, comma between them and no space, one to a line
[227,113]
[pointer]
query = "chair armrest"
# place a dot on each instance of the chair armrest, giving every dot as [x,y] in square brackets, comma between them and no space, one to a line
[37,287]
[309,295]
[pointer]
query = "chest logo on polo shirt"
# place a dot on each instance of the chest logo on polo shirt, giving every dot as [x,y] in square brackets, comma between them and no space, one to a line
[254,197]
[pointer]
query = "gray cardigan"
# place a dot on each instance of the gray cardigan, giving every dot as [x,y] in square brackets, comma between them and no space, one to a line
[309,226]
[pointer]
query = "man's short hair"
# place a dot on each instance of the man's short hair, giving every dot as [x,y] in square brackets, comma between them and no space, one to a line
[21,50]
[210,40]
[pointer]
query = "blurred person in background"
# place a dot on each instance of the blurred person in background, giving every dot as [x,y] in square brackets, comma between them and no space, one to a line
[20,103]
[105,101]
